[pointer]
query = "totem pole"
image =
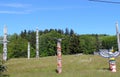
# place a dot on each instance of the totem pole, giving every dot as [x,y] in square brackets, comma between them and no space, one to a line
[118,37]
[111,54]
[28,50]
[59,56]
[112,62]
[5,44]
[37,43]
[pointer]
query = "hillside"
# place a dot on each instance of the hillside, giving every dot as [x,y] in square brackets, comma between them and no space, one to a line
[73,66]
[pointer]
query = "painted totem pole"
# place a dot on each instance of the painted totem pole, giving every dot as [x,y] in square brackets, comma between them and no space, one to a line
[59,56]
[112,62]
[111,54]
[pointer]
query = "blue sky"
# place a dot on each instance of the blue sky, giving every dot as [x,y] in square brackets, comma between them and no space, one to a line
[83,16]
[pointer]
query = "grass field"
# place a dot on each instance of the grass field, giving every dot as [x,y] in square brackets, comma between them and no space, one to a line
[73,66]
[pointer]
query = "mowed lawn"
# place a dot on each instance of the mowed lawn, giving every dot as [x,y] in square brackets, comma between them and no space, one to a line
[73,66]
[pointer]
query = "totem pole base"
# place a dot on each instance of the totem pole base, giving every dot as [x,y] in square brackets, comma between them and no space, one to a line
[113,68]
[59,70]
[112,64]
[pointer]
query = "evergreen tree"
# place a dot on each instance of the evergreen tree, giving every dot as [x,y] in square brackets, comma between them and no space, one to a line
[74,44]
[60,31]
[71,32]
[46,31]
[67,31]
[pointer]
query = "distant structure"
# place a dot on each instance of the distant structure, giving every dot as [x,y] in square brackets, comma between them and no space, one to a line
[5,44]
[37,43]
[28,50]
[59,56]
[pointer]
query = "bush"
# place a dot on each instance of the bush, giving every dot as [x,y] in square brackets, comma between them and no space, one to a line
[2,67]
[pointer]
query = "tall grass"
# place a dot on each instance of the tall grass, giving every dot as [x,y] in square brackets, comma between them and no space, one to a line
[73,66]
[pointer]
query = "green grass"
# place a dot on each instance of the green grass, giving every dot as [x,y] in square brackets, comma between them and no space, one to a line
[73,66]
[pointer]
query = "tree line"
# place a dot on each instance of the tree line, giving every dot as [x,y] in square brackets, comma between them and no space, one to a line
[71,44]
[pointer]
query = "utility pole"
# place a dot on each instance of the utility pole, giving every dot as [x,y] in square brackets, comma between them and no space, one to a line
[37,43]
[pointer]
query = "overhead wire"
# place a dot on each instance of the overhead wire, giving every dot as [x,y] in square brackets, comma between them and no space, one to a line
[115,2]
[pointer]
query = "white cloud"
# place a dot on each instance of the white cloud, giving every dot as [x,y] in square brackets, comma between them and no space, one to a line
[16,8]
[15,12]
[60,8]
[14,5]
[19,8]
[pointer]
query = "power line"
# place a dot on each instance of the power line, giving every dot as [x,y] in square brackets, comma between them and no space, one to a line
[105,1]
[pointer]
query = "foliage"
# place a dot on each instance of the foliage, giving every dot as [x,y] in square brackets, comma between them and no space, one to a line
[109,42]
[3,68]
[87,44]
[71,44]
[17,46]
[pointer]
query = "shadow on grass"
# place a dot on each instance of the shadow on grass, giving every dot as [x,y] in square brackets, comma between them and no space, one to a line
[56,70]
[103,69]
[107,69]
[4,75]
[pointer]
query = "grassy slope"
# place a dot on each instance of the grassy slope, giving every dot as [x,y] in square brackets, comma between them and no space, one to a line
[73,66]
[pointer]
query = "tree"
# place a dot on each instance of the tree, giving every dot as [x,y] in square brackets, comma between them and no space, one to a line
[48,43]
[60,31]
[71,32]
[23,34]
[17,47]
[67,31]
[65,44]
[87,44]
[46,31]
[74,44]
[108,42]
[98,45]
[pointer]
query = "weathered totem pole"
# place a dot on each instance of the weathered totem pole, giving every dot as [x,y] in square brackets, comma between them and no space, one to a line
[28,50]
[118,36]
[59,56]
[111,54]
[5,44]
[37,43]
